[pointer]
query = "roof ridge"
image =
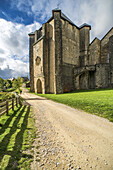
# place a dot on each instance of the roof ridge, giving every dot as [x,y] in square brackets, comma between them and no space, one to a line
[66,18]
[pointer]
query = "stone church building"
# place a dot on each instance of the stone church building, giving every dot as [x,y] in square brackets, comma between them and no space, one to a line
[62,59]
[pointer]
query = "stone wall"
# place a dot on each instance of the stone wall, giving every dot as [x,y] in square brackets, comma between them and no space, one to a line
[105,47]
[67,77]
[38,34]
[51,40]
[83,81]
[84,77]
[46,57]
[38,65]
[58,52]
[84,39]
[31,67]
[91,80]
[70,54]
[111,59]
[70,43]
[94,52]
[102,76]
[84,46]
[38,52]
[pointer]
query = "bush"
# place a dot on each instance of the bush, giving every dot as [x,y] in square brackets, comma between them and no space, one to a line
[7,96]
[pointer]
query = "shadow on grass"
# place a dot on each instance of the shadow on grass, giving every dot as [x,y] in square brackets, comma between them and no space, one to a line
[6,125]
[90,90]
[16,152]
[9,90]
[71,92]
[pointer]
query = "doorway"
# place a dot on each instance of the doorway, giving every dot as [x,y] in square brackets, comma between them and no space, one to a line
[39,86]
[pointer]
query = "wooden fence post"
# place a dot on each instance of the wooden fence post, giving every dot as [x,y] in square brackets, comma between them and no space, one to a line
[13,104]
[7,107]
[19,100]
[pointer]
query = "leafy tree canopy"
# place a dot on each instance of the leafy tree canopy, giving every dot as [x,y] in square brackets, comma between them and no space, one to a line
[8,83]
[17,83]
[1,83]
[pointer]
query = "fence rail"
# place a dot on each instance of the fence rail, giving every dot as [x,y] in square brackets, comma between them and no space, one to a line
[8,105]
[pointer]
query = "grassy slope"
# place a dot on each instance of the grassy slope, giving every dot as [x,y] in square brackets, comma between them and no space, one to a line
[99,102]
[17,134]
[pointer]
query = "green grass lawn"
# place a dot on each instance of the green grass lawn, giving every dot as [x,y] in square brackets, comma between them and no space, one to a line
[28,88]
[17,133]
[98,102]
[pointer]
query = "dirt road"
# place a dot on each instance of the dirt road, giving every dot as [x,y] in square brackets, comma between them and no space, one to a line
[69,138]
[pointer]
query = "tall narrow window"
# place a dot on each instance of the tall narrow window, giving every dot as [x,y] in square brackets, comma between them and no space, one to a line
[108,58]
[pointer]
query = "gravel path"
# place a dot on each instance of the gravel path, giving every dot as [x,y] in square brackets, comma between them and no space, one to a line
[69,138]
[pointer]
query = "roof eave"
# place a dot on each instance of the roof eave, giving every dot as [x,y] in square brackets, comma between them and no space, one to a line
[49,19]
[32,33]
[85,26]
[107,33]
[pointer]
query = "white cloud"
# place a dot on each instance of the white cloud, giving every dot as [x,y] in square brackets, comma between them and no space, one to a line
[14,46]
[98,13]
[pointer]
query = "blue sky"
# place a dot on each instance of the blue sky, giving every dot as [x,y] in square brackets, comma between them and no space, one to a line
[20,17]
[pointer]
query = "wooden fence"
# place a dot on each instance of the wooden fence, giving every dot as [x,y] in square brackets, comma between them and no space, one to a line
[8,105]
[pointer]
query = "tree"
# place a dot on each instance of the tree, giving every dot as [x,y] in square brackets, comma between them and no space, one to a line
[8,83]
[1,83]
[20,81]
[17,83]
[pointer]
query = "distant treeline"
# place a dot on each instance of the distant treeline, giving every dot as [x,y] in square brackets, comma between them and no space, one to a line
[6,83]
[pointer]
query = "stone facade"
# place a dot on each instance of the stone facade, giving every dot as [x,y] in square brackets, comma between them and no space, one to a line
[62,59]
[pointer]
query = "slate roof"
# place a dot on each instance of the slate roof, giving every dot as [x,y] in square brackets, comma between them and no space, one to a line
[63,16]
[66,18]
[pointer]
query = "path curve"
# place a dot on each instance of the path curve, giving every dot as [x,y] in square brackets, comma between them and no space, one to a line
[70,138]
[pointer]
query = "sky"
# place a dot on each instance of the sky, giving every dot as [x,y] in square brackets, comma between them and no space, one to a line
[20,17]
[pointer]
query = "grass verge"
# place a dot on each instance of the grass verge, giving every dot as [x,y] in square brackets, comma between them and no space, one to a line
[28,88]
[9,90]
[17,133]
[98,102]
